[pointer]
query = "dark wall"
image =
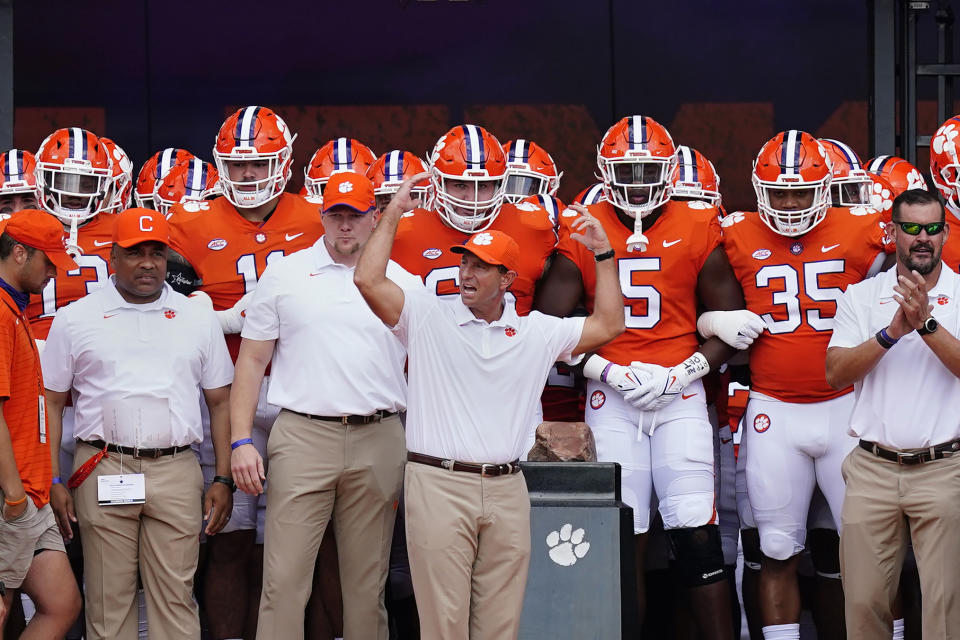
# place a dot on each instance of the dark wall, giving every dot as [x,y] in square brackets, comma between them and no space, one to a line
[722,76]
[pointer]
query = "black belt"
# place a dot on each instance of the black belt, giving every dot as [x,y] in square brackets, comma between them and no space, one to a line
[135,452]
[913,456]
[484,469]
[373,417]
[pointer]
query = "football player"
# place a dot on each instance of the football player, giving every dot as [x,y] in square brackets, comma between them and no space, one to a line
[339,154]
[900,174]
[75,176]
[192,180]
[850,185]
[389,172]
[120,191]
[591,195]
[945,173]
[18,182]
[646,403]
[793,257]
[228,242]
[153,171]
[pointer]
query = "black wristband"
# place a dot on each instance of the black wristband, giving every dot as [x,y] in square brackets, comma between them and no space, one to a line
[227,481]
[884,340]
[606,255]
[3,590]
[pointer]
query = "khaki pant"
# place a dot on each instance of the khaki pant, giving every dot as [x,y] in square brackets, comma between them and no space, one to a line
[158,539]
[317,470]
[884,502]
[469,543]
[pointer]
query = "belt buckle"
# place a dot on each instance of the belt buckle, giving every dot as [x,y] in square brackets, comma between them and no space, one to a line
[136,453]
[483,469]
[906,457]
[447,464]
[344,420]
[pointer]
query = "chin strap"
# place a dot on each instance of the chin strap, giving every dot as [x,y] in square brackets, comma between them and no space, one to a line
[637,241]
[72,244]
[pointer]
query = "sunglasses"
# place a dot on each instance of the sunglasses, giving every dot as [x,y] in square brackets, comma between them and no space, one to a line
[913,228]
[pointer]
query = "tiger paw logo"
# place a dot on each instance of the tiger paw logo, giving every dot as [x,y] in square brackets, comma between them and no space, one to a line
[346,187]
[567,545]
[943,140]
[881,198]
[597,398]
[510,331]
[169,314]
[761,423]
[915,180]
[483,239]
[942,300]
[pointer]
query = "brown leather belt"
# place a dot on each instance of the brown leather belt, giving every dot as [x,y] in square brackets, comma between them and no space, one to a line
[373,417]
[135,452]
[913,456]
[484,469]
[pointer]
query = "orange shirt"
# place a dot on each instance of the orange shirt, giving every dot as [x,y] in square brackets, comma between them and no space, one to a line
[229,253]
[95,239]
[794,284]
[659,285]
[21,385]
[423,241]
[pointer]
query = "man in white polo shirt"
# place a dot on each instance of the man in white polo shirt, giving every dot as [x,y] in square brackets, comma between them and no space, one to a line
[476,370]
[136,356]
[337,448]
[894,338]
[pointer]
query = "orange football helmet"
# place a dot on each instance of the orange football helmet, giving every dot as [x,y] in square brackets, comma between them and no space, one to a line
[121,183]
[74,173]
[251,136]
[189,181]
[337,155]
[18,178]
[900,174]
[530,171]
[467,173]
[389,172]
[695,177]
[945,163]
[636,159]
[792,161]
[591,195]
[153,171]
[851,184]
[882,195]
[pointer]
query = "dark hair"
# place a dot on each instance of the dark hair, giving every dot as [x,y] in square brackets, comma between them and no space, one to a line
[503,270]
[7,243]
[915,197]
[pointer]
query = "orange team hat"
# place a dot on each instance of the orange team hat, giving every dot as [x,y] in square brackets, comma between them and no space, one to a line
[349,189]
[493,247]
[40,230]
[140,225]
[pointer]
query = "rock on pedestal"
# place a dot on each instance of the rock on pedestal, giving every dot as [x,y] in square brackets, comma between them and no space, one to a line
[563,442]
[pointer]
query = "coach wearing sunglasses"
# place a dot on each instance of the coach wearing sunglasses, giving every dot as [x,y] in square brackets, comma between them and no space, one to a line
[895,338]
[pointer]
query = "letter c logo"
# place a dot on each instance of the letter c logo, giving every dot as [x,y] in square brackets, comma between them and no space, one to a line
[144,223]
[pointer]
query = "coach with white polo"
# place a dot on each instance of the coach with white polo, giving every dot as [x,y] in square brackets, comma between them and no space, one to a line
[136,355]
[894,338]
[337,447]
[476,372]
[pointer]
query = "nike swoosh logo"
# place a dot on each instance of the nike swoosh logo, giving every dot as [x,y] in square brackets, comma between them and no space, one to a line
[886,301]
[830,248]
[97,243]
[726,441]
[109,316]
[319,273]
[670,244]
[293,236]
[687,397]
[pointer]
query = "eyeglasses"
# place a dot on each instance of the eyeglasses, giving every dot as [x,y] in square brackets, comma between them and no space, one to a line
[913,228]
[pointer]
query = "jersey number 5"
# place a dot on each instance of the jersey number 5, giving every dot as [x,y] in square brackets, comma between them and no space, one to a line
[636,294]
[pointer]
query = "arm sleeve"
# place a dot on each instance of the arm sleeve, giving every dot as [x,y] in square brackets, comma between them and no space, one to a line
[217,367]
[262,317]
[57,360]
[415,303]
[563,335]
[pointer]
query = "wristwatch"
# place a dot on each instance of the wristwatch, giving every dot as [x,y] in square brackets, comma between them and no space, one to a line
[929,326]
[227,481]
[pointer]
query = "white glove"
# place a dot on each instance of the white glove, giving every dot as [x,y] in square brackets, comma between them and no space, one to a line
[737,328]
[664,384]
[231,320]
[623,379]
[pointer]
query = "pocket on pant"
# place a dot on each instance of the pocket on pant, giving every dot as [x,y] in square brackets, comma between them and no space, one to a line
[26,519]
